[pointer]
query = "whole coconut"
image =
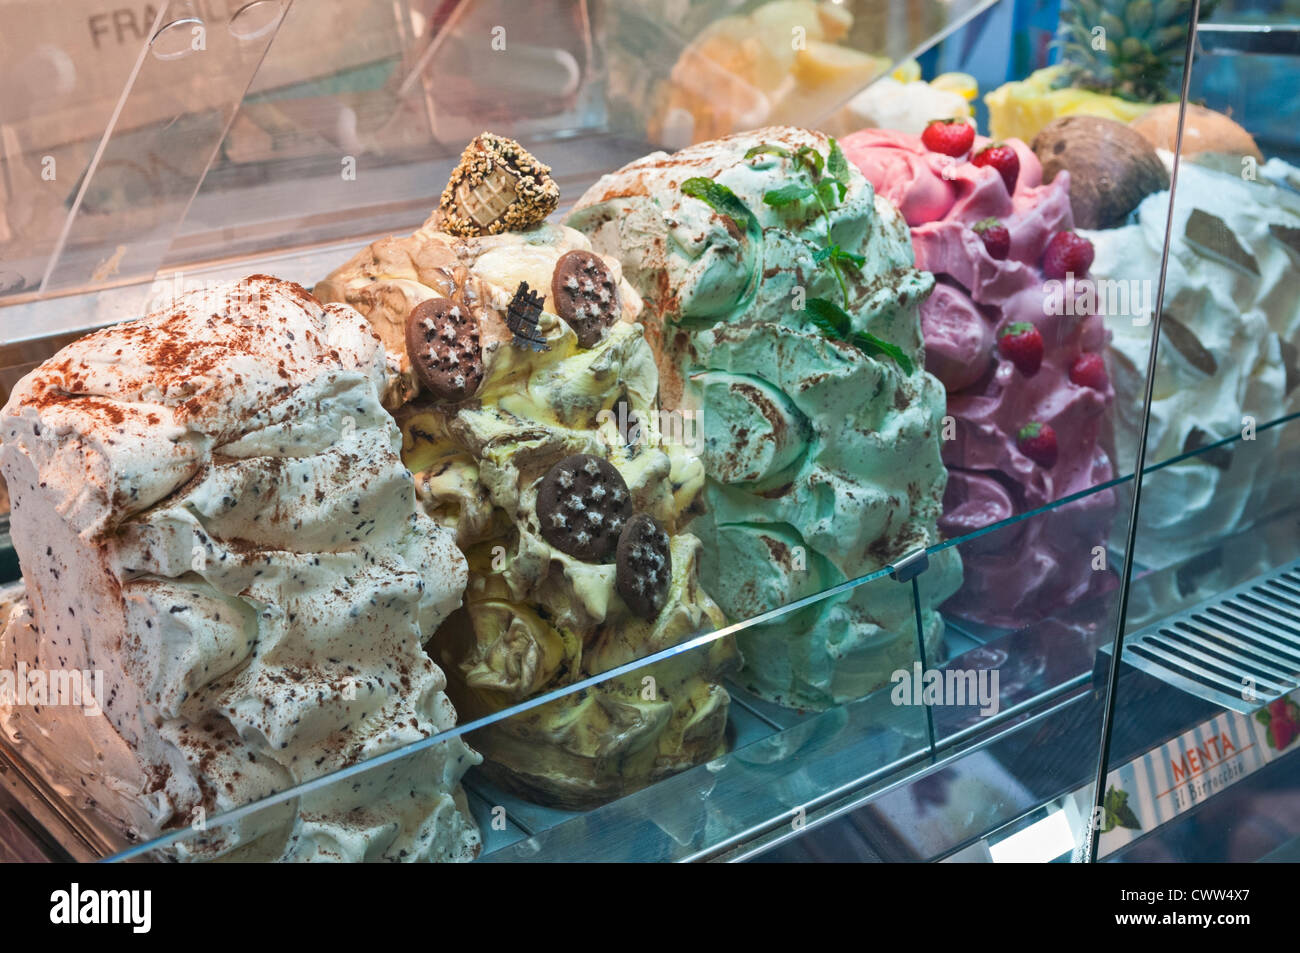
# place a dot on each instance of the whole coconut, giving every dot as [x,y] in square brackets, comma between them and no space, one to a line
[1111,167]
[1204,130]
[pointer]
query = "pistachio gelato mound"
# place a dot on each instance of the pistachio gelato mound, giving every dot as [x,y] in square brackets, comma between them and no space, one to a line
[542,614]
[783,308]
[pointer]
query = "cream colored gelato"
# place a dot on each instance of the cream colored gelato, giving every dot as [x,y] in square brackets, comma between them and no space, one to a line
[538,617]
[822,456]
[210,509]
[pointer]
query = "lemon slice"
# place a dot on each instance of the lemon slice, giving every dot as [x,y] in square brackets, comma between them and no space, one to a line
[963,84]
[908,71]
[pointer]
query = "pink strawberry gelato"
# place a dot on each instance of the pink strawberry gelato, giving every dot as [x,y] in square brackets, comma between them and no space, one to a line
[1016,576]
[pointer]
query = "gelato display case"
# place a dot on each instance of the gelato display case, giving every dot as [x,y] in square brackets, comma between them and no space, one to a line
[612,430]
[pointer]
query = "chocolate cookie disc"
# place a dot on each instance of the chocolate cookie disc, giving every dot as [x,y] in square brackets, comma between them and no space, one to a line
[585,295]
[645,566]
[583,504]
[442,342]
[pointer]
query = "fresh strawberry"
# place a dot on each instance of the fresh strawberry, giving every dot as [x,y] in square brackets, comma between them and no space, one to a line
[952,137]
[1022,345]
[997,240]
[1284,732]
[1067,254]
[1003,158]
[1279,709]
[1089,370]
[1037,441]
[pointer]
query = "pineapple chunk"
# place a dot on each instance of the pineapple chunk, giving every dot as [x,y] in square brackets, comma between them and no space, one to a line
[836,21]
[824,64]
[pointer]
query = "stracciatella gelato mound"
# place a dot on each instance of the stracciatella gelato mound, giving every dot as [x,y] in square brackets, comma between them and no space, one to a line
[212,516]
[781,300]
[1227,356]
[550,466]
[1045,564]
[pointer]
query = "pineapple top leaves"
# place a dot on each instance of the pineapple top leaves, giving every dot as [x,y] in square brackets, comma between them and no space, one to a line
[1126,48]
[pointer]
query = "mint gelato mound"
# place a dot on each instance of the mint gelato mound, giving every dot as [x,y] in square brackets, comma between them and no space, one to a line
[782,302]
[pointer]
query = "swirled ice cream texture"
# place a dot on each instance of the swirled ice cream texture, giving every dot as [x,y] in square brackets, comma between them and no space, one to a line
[822,461]
[536,618]
[1244,314]
[1048,565]
[210,507]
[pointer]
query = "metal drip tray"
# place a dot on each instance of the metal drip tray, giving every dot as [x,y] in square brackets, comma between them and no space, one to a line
[1240,649]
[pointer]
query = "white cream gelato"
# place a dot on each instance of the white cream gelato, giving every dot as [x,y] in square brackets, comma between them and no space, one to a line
[1227,354]
[210,508]
[908,107]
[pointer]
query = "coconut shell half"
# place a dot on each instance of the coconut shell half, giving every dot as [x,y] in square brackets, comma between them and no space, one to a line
[1203,131]
[1112,168]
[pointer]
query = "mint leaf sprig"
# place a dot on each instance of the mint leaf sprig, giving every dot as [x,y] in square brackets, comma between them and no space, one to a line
[722,200]
[826,182]
[834,322]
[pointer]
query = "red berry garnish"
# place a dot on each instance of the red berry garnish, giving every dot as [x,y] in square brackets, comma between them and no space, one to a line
[952,137]
[1284,732]
[1067,254]
[1003,158]
[1022,345]
[1037,441]
[997,240]
[1089,370]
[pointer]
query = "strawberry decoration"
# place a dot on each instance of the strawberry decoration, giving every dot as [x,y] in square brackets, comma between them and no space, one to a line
[1002,158]
[952,137]
[1022,344]
[1282,720]
[1067,254]
[1037,441]
[1089,370]
[996,238]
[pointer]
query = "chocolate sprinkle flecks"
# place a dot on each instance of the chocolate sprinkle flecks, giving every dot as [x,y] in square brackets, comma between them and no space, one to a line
[645,566]
[585,295]
[583,503]
[442,341]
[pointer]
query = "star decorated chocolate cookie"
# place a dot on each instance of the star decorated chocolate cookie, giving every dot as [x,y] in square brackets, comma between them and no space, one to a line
[645,566]
[585,295]
[442,341]
[583,503]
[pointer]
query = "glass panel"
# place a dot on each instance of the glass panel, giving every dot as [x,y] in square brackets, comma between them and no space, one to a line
[826,536]
[116,131]
[670,756]
[1204,713]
